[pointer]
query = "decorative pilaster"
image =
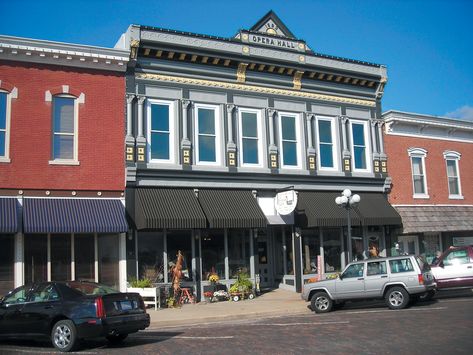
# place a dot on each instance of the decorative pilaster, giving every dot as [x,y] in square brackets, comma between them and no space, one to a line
[231,146]
[297,80]
[241,72]
[374,145]
[129,139]
[382,155]
[141,140]
[311,152]
[186,147]
[273,150]
[346,155]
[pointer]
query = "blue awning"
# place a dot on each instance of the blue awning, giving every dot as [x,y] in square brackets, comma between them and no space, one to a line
[8,215]
[49,215]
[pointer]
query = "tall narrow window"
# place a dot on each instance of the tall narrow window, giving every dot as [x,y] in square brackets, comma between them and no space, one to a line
[419,180]
[289,138]
[453,174]
[250,137]
[359,147]
[326,143]
[161,131]
[4,125]
[64,126]
[207,135]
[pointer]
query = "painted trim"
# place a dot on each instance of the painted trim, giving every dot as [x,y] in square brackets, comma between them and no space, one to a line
[367,146]
[454,156]
[218,134]
[8,98]
[172,131]
[298,140]
[422,154]
[335,147]
[259,137]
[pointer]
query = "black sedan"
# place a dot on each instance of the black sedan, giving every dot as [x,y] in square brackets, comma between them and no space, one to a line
[69,311]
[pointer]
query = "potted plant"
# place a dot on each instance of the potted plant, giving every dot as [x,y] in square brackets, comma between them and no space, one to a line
[146,290]
[242,288]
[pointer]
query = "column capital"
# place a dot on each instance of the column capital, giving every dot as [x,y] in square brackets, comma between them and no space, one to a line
[230,108]
[343,118]
[130,98]
[271,112]
[309,115]
[186,103]
[141,99]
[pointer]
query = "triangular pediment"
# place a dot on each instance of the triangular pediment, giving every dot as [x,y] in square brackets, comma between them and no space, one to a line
[271,24]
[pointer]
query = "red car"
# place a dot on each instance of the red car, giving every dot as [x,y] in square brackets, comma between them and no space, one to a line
[454,268]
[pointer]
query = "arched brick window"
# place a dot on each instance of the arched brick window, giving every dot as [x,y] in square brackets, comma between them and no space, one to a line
[7,93]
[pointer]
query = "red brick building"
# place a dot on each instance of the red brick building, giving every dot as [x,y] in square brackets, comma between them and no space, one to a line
[61,161]
[431,166]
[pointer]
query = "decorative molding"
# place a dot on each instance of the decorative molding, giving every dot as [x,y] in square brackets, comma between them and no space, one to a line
[254,88]
[134,44]
[297,81]
[241,73]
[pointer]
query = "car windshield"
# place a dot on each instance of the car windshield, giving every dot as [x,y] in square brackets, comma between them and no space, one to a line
[90,288]
[424,266]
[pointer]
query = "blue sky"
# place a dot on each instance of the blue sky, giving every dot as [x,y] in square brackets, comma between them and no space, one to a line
[426,45]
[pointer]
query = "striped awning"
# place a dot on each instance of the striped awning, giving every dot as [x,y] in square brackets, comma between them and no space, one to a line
[50,215]
[232,209]
[8,215]
[168,208]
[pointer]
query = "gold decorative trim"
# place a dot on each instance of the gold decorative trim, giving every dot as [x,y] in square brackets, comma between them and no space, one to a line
[297,80]
[254,88]
[241,73]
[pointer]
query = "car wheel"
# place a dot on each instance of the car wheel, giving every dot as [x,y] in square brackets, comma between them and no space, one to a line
[321,302]
[427,296]
[397,298]
[117,338]
[64,335]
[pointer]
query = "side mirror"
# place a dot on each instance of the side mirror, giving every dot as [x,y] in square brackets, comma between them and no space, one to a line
[441,264]
[340,276]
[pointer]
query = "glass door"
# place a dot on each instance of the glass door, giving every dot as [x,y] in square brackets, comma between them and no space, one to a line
[409,244]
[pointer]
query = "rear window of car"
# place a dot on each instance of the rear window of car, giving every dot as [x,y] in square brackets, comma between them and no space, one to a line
[424,266]
[401,265]
[87,288]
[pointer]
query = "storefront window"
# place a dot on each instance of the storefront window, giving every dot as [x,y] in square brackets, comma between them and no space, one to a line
[180,240]
[108,260]
[213,254]
[61,257]
[310,250]
[357,244]
[84,257]
[36,258]
[332,250]
[7,253]
[150,256]
[429,246]
[289,253]
[238,252]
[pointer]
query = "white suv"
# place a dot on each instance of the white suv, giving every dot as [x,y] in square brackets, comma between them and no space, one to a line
[396,279]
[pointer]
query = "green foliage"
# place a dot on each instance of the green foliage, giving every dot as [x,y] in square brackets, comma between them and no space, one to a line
[141,283]
[243,283]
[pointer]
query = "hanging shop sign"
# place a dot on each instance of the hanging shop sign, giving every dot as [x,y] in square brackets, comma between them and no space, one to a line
[285,202]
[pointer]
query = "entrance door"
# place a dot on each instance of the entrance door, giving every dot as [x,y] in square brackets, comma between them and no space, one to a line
[409,244]
[264,264]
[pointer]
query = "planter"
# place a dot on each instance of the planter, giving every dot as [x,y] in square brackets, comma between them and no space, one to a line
[149,294]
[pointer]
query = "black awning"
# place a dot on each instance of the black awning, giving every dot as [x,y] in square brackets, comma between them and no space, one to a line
[232,209]
[50,215]
[318,209]
[168,208]
[8,215]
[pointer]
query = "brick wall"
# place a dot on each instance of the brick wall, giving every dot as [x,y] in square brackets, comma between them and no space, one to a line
[100,134]
[437,184]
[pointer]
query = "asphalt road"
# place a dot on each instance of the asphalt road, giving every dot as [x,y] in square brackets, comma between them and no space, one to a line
[442,326]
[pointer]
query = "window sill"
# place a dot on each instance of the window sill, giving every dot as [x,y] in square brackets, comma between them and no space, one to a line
[5,160]
[421,196]
[456,197]
[64,162]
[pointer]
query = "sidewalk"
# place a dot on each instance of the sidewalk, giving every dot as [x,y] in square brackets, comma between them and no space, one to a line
[273,303]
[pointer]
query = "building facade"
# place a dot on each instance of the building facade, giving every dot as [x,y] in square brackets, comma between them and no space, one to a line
[431,180]
[61,162]
[236,149]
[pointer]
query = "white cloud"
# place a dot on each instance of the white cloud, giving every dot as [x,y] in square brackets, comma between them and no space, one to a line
[463,113]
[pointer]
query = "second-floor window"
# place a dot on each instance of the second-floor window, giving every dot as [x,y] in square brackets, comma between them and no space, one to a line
[289,128]
[64,128]
[208,135]
[326,143]
[453,175]
[160,131]
[250,137]
[359,135]
[3,124]
[419,179]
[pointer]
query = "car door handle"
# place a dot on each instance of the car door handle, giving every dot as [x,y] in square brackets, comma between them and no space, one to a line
[360,278]
[49,307]
[384,276]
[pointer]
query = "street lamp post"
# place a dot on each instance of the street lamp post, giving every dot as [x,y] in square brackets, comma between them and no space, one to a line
[348,201]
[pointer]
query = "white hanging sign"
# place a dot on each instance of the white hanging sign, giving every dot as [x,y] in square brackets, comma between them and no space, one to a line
[285,202]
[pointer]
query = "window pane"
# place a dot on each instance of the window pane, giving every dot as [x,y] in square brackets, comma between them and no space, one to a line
[332,250]
[310,250]
[207,149]
[63,115]
[249,124]
[238,252]
[108,260]
[3,110]
[250,151]
[417,166]
[2,143]
[326,156]
[453,186]
[63,147]
[61,257]
[419,185]
[160,117]
[84,257]
[150,256]
[360,158]
[206,119]
[7,253]
[358,134]
[290,153]
[159,145]
[451,168]
[180,241]
[325,132]
[213,254]
[36,258]
[288,127]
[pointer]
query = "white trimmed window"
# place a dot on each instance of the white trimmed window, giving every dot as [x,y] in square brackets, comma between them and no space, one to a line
[161,131]
[419,178]
[453,174]
[5,109]
[360,146]
[290,138]
[326,143]
[65,128]
[208,135]
[250,134]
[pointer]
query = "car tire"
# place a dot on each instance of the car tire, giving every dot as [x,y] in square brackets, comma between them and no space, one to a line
[64,335]
[321,302]
[116,339]
[397,298]
[427,296]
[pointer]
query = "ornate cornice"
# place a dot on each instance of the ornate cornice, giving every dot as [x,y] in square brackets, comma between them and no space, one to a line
[255,88]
